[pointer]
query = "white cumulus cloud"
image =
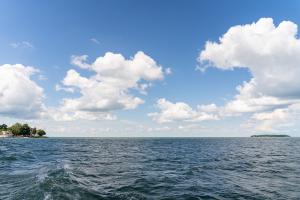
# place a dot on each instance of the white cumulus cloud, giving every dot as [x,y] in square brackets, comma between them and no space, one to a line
[271,54]
[20,96]
[110,87]
[180,111]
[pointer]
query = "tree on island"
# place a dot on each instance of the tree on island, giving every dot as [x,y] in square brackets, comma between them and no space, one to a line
[16,129]
[33,131]
[23,130]
[3,127]
[41,132]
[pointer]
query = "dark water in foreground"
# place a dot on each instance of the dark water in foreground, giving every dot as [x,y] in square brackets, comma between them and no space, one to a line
[203,168]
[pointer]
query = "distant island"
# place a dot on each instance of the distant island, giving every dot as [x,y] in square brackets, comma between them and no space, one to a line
[20,130]
[270,135]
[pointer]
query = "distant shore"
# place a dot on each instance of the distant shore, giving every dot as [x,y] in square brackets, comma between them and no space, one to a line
[34,137]
[29,137]
[270,135]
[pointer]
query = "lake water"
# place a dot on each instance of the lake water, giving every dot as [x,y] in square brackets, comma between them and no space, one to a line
[181,168]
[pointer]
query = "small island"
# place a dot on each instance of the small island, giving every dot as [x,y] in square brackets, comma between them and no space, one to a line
[270,135]
[21,130]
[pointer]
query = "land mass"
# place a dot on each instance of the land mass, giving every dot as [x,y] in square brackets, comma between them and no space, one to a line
[21,130]
[270,135]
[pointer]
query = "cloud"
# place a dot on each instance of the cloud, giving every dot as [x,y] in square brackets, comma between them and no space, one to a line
[20,97]
[250,100]
[168,71]
[42,77]
[180,111]
[275,120]
[22,44]
[58,87]
[271,54]
[159,129]
[67,114]
[266,121]
[80,61]
[94,40]
[110,87]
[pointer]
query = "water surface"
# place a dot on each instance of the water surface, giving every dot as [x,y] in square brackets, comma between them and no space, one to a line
[161,168]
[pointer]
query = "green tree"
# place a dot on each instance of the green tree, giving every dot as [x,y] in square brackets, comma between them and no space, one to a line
[16,128]
[33,131]
[3,127]
[41,132]
[25,130]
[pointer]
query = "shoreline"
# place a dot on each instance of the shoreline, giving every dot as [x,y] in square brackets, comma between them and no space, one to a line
[23,137]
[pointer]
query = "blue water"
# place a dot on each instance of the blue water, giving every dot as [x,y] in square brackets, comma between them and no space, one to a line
[196,168]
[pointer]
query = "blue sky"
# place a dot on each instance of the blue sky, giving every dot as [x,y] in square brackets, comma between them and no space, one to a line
[45,34]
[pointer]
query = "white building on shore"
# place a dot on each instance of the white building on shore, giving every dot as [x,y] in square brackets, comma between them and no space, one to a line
[6,134]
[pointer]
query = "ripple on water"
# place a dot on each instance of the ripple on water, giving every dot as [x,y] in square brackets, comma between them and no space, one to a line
[150,169]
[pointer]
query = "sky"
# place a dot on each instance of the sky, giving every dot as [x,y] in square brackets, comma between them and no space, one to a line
[151,68]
